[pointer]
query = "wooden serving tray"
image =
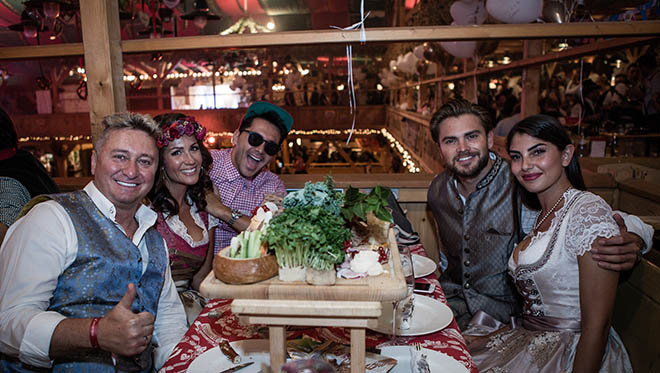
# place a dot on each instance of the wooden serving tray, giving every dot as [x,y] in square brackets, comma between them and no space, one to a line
[388,286]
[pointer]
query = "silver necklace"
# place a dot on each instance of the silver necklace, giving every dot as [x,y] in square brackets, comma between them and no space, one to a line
[537,223]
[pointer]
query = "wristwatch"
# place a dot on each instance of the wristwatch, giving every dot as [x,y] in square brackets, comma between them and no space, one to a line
[235,215]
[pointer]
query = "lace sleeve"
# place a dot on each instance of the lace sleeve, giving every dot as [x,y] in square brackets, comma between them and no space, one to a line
[213,221]
[590,218]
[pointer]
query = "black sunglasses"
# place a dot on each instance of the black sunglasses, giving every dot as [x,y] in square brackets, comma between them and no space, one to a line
[255,139]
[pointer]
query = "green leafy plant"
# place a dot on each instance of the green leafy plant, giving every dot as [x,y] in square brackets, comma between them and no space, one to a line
[320,194]
[307,236]
[358,204]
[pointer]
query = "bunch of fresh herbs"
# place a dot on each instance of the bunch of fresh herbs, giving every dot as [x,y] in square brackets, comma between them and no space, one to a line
[358,204]
[307,236]
[320,194]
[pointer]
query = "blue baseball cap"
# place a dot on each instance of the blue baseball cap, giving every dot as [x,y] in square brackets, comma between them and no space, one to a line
[261,107]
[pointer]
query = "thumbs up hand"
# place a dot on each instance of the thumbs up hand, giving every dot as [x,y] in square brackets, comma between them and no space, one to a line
[123,332]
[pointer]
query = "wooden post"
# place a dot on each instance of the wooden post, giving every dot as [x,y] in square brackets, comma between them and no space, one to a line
[103,60]
[470,86]
[439,71]
[531,76]
[277,347]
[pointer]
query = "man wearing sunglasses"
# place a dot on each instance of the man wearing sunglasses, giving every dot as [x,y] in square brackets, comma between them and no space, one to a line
[240,173]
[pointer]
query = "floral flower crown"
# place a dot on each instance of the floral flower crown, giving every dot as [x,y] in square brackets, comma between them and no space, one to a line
[185,126]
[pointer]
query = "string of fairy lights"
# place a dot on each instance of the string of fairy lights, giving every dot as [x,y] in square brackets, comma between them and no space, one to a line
[212,138]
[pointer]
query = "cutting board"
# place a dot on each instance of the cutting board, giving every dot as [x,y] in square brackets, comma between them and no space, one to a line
[388,286]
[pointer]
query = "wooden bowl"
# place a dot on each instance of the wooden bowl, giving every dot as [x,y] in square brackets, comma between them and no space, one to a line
[243,271]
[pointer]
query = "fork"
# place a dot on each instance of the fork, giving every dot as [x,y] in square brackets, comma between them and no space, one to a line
[419,363]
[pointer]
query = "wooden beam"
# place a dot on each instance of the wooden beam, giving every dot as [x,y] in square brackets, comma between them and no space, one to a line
[397,34]
[531,78]
[383,34]
[103,60]
[470,86]
[583,50]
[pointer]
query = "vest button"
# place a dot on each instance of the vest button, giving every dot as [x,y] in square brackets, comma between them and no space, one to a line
[466,263]
[466,237]
[466,250]
[460,211]
[467,275]
[140,260]
[466,285]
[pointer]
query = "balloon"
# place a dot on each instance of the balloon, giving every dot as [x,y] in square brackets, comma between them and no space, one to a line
[392,64]
[419,51]
[515,11]
[468,12]
[171,3]
[408,62]
[460,49]
[554,11]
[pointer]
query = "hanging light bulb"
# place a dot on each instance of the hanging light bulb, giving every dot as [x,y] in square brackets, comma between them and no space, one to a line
[51,9]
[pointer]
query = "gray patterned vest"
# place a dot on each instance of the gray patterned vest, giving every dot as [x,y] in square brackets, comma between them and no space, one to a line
[106,263]
[478,239]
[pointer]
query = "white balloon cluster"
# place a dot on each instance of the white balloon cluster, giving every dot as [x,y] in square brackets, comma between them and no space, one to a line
[515,11]
[475,12]
[387,77]
[465,12]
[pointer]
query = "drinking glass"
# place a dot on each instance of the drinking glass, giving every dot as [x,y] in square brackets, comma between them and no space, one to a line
[402,310]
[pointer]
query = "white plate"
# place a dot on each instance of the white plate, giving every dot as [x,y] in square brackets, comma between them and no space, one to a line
[438,362]
[213,360]
[422,265]
[429,316]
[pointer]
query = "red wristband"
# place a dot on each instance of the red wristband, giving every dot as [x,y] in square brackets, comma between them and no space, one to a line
[93,333]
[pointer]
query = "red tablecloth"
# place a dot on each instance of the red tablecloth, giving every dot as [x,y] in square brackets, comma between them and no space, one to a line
[206,332]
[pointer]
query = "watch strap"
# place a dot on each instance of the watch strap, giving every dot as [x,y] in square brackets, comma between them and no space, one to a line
[235,215]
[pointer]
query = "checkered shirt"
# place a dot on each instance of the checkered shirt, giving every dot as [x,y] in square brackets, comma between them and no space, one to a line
[238,192]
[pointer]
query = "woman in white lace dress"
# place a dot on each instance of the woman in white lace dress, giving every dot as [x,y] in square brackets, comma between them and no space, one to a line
[568,299]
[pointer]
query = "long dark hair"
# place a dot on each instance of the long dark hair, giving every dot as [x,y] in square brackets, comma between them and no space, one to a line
[547,128]
[160,196]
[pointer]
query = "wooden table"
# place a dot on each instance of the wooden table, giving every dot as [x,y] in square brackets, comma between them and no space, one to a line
[218,323]
[354,304]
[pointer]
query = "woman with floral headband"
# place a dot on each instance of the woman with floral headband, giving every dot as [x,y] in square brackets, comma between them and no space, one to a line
[179,196]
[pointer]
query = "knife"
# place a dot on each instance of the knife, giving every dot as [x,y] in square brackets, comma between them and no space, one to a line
[237,367]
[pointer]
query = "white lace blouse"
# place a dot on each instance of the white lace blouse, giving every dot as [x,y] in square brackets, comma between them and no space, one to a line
[179,228]
[547,272]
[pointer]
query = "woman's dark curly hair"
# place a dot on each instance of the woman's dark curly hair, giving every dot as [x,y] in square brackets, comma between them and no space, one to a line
[160,197]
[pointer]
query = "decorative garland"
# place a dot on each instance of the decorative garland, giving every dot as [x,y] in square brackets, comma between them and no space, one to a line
[187,126]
